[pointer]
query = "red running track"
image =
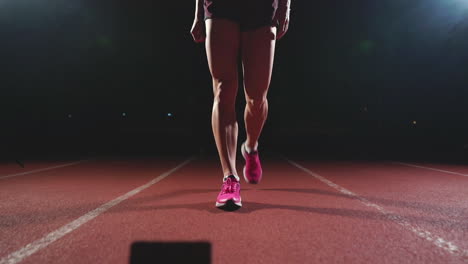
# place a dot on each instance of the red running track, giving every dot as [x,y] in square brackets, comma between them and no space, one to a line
[303,211]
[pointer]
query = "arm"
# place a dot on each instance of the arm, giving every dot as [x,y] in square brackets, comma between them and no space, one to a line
[199,9]
[282,17]
[285,3]
[285,7]
[198,27]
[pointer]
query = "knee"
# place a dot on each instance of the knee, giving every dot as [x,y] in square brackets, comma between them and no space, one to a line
[225,92]
[257,102]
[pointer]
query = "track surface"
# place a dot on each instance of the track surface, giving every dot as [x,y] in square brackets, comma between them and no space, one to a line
[320,212]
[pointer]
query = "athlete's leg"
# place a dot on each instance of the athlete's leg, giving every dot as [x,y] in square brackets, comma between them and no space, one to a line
[222,50]
[258,49]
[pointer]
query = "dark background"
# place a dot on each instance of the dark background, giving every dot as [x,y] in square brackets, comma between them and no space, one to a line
[349,79]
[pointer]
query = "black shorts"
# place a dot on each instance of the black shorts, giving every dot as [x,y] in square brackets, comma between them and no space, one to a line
[249,14]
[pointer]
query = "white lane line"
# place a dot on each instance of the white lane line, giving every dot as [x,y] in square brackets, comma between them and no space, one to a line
[428,168]
[43,169]
[436,240]
[43,242]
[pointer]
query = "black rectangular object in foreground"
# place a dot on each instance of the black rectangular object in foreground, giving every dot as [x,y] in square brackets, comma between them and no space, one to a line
[170,252]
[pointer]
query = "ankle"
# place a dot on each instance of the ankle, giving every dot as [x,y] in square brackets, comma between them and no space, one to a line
[249,148]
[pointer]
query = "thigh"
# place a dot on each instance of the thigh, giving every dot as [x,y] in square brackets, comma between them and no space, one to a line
[222,48]
[258,50]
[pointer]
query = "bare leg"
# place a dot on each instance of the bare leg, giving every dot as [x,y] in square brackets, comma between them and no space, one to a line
[222,49]
[258,49]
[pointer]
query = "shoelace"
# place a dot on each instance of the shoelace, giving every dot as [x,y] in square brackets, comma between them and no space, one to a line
[229,186]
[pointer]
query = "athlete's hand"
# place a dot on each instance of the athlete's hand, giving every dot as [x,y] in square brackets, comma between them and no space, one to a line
[198,30]
[282,18]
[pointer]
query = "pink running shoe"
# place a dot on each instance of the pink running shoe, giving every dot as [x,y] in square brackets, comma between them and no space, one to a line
[230,194]
[253,168]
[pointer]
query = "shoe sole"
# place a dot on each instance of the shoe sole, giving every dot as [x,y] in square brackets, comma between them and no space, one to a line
[229,205]
[243,170]
[229,201]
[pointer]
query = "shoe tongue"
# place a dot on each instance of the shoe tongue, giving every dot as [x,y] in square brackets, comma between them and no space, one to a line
[232,177]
